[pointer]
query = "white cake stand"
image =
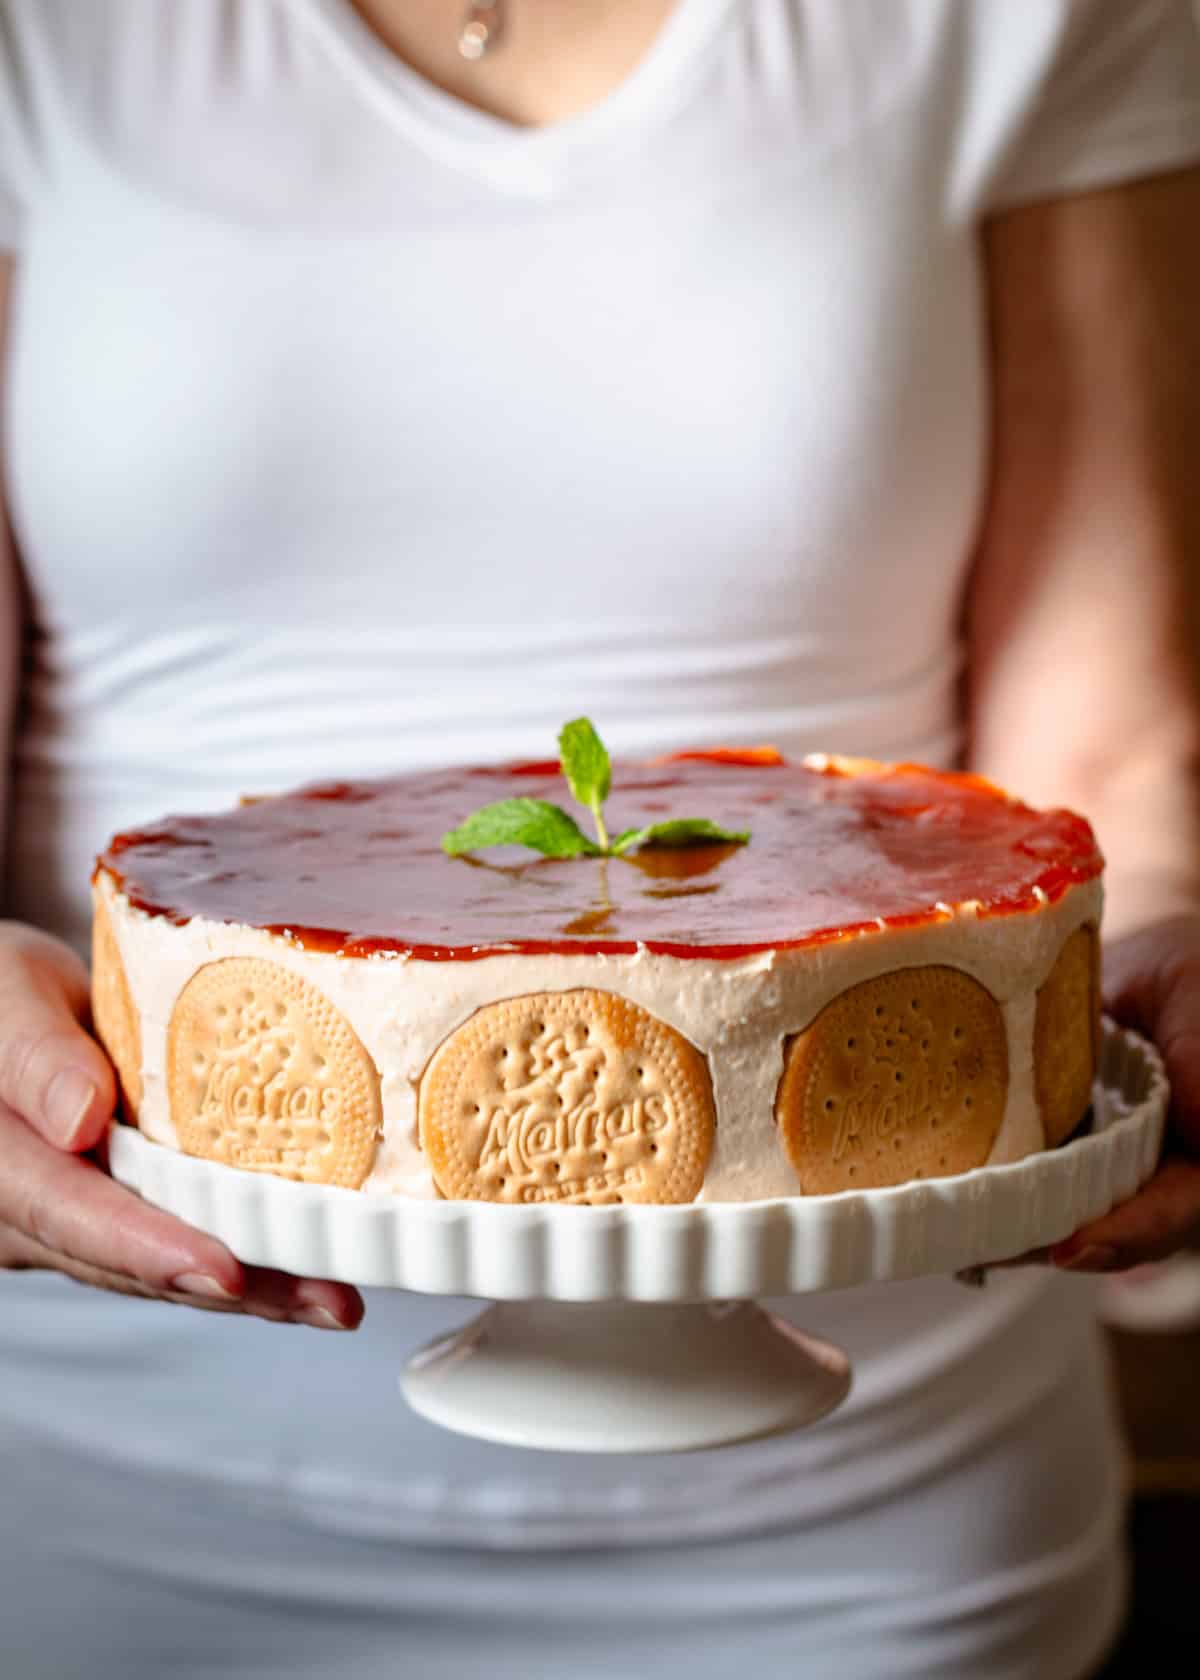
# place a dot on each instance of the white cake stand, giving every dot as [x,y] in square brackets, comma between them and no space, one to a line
[634,1329]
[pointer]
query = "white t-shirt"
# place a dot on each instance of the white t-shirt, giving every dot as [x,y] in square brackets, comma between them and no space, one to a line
[349,428]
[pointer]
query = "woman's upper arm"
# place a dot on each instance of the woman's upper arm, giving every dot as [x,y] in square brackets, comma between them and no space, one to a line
[1081,621]
[10,594]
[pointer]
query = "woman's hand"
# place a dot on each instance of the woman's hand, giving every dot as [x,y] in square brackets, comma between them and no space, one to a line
[1152,983]
[58,1209]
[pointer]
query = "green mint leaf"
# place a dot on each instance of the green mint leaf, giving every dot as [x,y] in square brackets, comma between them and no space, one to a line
[587,767]
[681,831]
[535,823]
[552,831]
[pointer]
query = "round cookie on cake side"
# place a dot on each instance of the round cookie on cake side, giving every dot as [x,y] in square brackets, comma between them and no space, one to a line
[896,978]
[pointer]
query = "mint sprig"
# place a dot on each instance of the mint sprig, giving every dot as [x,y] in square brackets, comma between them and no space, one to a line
[680,831]
[588,769]
[553,832]
[535,823]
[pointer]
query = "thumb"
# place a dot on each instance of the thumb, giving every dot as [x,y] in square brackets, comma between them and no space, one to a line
[1152,983]
[1144,970]
[51,1073]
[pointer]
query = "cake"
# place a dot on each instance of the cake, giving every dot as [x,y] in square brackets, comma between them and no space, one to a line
[895,978]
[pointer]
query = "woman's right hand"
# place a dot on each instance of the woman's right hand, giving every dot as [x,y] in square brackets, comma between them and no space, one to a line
[59,1210]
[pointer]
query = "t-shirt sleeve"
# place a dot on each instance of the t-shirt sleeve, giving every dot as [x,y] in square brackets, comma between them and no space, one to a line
[13,138]
[10,218]
[33,38]
[10,198]
[1098,92]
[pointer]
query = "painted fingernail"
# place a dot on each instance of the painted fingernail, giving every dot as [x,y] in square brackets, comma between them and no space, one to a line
[1097,1257]
[68,1102]
[199,1283]
[319,1318]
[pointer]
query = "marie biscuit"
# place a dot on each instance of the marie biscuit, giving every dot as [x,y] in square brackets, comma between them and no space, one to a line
[901,1077]
[264,1073]
[115,1019]
[567,1097]
[1066,1035]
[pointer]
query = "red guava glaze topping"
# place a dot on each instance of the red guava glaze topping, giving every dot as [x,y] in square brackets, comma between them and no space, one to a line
[726,755]
[357,868]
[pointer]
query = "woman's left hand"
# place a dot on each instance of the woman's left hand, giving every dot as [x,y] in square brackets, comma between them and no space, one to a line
[1152,984]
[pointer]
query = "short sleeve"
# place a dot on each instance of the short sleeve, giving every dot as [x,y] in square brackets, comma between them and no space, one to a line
[10,198]
[10,218]
[14,138]
[43,44]
[1078,94]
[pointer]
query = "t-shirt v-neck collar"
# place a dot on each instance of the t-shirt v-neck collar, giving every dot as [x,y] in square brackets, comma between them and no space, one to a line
[527,162]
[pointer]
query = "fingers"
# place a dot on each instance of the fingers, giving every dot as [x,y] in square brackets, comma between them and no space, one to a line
[22,1253]
[314,1301]
[1161,1218]
[268,1294]
[71,1208]
[51,1072]
[1141,969]
[61,1211]
[1031,1257]
[1152,983]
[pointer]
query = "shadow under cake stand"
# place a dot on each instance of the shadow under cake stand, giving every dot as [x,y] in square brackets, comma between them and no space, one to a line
[635,1329]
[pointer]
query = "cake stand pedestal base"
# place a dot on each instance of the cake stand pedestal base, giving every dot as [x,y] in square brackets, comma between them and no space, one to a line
[625,1377]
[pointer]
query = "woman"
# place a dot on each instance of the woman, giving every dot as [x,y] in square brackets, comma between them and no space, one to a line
[723,370]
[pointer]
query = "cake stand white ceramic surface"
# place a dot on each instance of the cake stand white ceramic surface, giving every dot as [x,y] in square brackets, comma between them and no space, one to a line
[634,1329]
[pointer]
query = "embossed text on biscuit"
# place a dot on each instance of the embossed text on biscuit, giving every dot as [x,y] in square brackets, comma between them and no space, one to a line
[558,1097]
[902,1076]
[265,1074]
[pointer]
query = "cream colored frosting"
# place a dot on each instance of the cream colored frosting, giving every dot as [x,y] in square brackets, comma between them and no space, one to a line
[737,1013]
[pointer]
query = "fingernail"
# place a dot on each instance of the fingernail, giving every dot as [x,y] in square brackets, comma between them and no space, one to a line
[199,1283]
[319,1318]
[1095,1258]
[68,1101]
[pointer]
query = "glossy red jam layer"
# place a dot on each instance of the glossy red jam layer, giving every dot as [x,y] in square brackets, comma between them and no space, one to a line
[357,868]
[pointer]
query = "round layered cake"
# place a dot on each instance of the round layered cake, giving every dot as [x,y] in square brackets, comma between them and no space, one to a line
[895,978]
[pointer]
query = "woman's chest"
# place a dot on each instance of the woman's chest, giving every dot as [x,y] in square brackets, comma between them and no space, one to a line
[731,374]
